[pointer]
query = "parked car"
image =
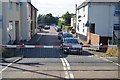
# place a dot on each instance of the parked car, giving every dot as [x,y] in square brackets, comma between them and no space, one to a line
[40,26]
[46,27]
[60,35]
[71,45]
[57,28]
[66,35]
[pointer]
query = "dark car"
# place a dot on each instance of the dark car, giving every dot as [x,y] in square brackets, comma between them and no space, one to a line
[71,45]
[66,35]
[62,35]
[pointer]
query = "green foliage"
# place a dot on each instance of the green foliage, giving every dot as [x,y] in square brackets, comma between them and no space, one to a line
[47,19]
[67,18]
[60,24]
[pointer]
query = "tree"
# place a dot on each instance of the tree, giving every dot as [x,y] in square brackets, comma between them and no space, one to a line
[67,18]
[47,19]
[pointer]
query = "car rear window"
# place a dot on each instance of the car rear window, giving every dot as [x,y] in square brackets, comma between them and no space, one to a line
[75,41]
[67,35]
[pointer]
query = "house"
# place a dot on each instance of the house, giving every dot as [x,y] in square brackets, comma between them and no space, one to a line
[96,20]
[19,21]
[28,20]
[11,22]
[73,21]
[0,22]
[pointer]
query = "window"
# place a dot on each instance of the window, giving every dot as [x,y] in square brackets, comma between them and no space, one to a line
[78,27]
[10,5]
[116,27]
[83,27]
[17,6]
[92,28]
[83,9]
[10,26]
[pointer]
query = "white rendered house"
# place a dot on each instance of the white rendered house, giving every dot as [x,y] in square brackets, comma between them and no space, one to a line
[96,20]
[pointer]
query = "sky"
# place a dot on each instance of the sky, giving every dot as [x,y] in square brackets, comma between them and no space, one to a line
[56,7]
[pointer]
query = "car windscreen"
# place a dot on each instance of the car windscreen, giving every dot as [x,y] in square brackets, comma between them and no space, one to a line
[73,41]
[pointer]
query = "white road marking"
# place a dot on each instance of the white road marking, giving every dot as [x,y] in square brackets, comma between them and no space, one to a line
[6,67]
[104,58]
[9,65]
[38,38]
[110,61]
[66,66]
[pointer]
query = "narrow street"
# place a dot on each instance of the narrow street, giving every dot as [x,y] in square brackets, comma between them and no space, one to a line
[52,63]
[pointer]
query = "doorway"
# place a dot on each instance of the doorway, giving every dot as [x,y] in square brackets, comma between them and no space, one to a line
[17,31]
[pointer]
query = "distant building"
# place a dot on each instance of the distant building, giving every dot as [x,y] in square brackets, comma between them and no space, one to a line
[96,20]
[73,21]
[19,21]
[61,19]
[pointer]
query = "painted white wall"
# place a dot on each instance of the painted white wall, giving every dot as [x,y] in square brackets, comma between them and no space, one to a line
[84,19]
[25,26]
[103,17]
[10,15]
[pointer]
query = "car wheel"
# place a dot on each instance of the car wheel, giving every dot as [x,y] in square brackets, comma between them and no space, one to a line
[59,38]
[65,52]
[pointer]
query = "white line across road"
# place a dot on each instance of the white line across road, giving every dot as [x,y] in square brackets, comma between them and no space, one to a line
[6,67]
[66,66]
[105,58]
[10,64]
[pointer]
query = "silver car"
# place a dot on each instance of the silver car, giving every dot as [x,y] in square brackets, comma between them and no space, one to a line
[71,45]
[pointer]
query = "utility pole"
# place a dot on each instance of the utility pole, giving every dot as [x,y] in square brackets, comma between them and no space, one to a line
[119,43]
[76,17]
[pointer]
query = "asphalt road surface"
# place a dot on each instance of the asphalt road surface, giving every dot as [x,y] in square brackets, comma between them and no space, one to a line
[51,63]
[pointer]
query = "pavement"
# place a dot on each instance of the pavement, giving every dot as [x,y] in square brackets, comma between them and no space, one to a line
[45,63]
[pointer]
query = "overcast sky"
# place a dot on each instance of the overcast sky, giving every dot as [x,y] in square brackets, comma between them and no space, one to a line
[56,7]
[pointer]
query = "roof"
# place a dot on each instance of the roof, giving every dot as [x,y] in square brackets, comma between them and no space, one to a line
[32,5]
[97,1]
[102,0]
